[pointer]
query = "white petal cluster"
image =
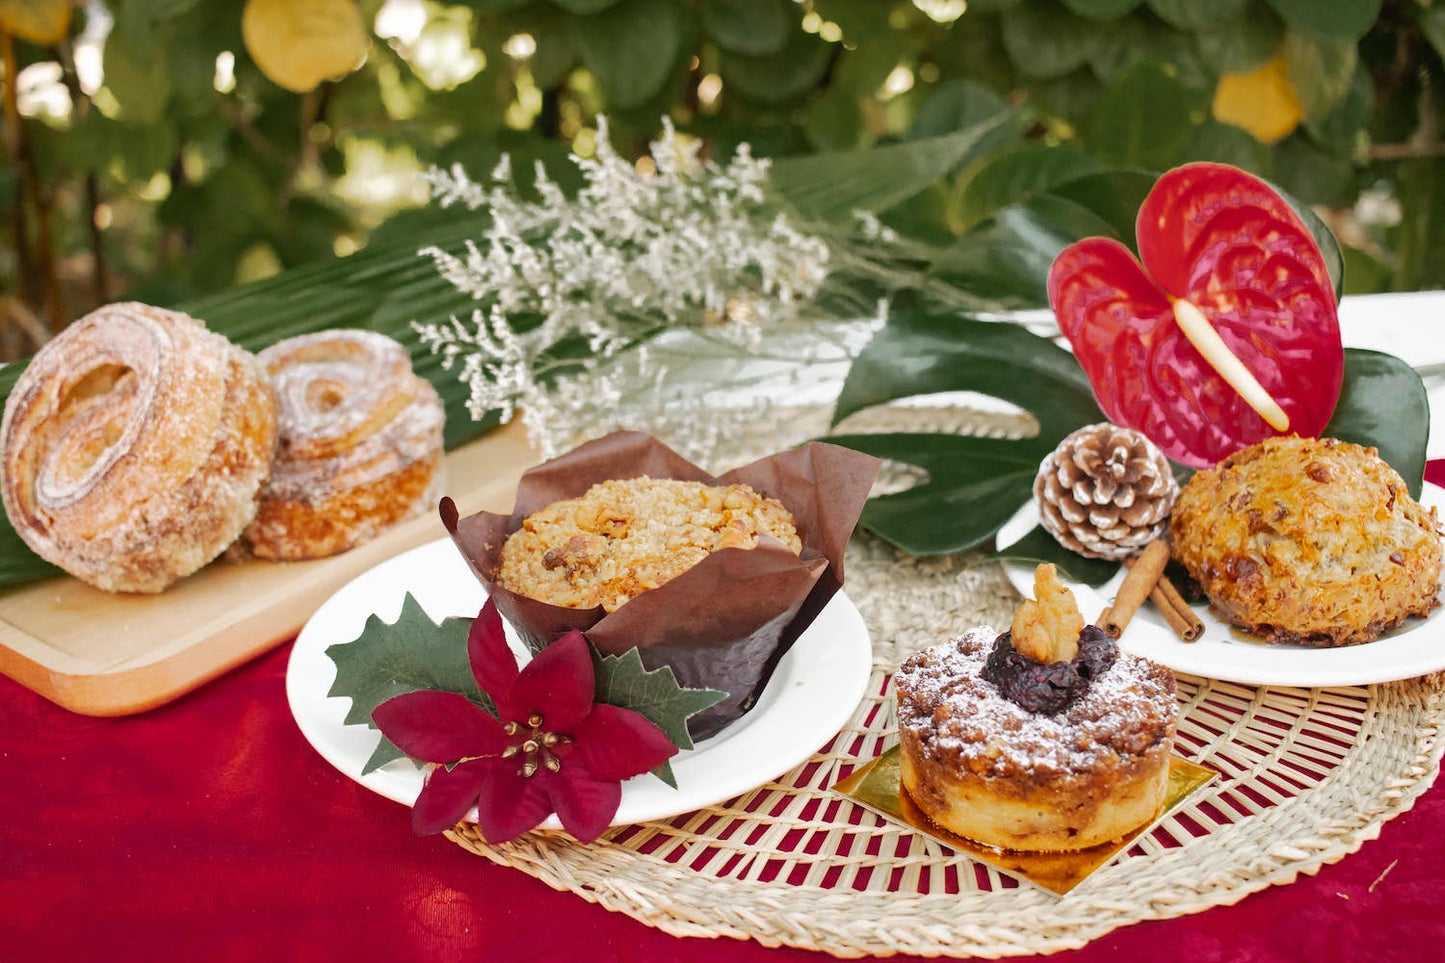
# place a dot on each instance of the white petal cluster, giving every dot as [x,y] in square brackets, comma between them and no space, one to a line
[684,243]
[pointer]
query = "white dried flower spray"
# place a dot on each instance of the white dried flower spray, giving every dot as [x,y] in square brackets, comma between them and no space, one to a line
[572,290]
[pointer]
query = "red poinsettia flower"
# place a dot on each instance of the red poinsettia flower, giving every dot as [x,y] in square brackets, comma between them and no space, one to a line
[553,749]
[1224,336]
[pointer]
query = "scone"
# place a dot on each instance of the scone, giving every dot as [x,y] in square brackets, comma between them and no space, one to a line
[1057,753]
[1308,541]
[134,446]
[624,537]
[360,444]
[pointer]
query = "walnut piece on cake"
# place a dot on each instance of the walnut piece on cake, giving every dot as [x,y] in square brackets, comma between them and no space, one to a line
[626,536]
[1046,628]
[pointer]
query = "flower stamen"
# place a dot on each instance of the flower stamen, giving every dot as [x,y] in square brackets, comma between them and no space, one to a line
[535,747]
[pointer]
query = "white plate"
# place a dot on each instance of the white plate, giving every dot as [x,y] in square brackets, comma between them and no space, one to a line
[1224,652]
[812,693]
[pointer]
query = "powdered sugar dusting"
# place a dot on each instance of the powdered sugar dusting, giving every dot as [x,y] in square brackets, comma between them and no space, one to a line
[944,701]
[351,413]
[134,446]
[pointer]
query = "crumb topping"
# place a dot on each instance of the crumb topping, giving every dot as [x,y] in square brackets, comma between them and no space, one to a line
[624,537]
[961,721]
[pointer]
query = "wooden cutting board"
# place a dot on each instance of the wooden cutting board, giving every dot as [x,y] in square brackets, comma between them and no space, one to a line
[104,654]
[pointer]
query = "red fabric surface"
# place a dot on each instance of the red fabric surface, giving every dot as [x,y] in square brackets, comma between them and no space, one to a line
[210,829]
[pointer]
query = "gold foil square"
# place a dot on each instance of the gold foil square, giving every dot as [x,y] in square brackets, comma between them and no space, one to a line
[875,785]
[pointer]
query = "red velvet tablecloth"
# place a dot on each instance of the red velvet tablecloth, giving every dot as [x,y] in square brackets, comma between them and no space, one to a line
[209,829]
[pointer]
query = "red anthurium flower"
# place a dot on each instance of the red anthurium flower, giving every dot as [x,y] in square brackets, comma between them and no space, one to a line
[1225,336]
[553,749]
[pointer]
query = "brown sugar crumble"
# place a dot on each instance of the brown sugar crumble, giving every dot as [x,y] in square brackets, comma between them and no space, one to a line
[626,536]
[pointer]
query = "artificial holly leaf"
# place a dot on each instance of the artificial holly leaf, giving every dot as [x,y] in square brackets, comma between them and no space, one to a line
[622,680]
[974,484]
[1224,336]
[1383,404]
[388,659]
[1039,546]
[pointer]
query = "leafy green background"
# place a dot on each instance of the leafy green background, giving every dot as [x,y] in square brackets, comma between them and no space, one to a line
[160,186]
[995,132]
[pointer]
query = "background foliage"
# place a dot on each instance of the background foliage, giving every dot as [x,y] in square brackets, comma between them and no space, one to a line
[184,169]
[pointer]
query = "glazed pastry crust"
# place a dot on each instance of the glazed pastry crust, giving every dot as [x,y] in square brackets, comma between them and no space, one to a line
[134,446]
[1308,541]
[360,445]
[988,770]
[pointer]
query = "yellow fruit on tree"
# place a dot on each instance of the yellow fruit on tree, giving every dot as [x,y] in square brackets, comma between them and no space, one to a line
[43,22]
[1262,101]
[299,43]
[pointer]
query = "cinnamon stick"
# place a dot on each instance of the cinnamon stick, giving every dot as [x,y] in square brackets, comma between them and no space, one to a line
[1176,611]
[1144,574]
[1166,598]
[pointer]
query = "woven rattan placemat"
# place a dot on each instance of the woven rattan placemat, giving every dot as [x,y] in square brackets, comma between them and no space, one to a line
[1307,776]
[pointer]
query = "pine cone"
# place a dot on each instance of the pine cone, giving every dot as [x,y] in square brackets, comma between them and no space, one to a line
[1105,492]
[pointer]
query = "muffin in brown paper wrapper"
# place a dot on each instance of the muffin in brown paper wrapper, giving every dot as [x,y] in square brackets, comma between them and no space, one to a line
[727,621]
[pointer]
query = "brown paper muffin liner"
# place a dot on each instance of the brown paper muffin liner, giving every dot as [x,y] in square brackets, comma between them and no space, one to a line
[727,621]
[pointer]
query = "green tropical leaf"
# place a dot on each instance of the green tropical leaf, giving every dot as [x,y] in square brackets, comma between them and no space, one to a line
[1146,38]
[136,70]
[1070,98]
[1320,70]
[1227,144]
[831,186]
[750,27]
[1312,175]
[1112,196]
[954,105]
[780,77]
[917,353]
[585,7]
[1102,9]
[1421,234]
[974,484]
[1015,175]
[389,659]
[1339,19]
[1324,237]
[1193,16]
[1432,25]
[1384,404]
[1039,546]
[1143,118]
[1008,258]
[631,48]
[1246,42]
[1045,40]
[1342,129]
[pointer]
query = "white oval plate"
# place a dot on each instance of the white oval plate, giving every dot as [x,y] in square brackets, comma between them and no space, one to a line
[812,693]
[1224,652]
